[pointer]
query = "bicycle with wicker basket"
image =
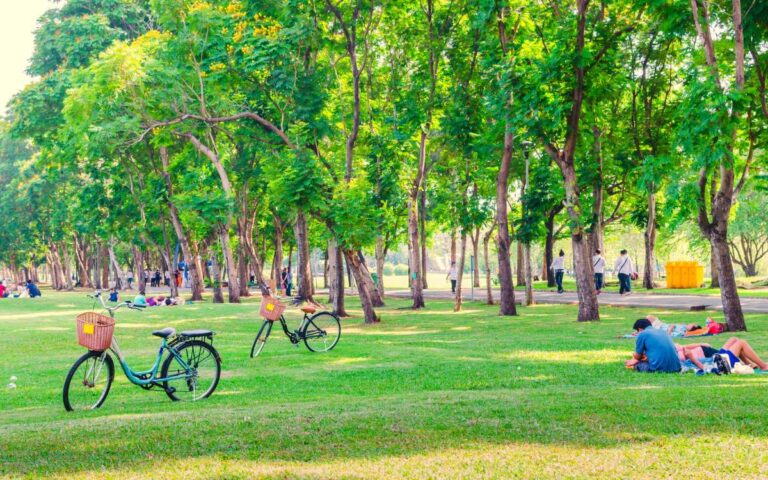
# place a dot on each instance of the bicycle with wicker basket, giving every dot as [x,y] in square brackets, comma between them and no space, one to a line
[190,371]
[320,331]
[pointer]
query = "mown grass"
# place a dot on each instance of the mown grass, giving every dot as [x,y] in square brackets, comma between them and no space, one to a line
[427,394]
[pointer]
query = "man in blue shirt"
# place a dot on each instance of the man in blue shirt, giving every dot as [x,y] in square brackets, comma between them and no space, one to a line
[32,289]
[654,350]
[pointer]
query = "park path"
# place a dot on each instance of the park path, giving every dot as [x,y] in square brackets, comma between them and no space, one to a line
[637,299]
[669,301]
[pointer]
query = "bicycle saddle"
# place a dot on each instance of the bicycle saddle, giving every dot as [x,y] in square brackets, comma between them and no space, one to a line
[164,333]
[308,309]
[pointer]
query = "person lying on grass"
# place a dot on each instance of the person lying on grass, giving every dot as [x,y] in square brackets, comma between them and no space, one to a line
[654,350]
[689,329]
[736,349]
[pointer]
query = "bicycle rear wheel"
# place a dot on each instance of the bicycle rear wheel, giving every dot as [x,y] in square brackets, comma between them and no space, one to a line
[88,382]
[200,379]
[261,338]
[322,332]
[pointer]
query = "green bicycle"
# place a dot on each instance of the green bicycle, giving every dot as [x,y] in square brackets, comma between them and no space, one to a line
[190,372]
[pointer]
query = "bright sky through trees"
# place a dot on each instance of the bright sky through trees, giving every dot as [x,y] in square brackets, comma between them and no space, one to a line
[17,25]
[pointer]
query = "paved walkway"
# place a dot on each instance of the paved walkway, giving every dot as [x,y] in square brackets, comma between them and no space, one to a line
[675,302]
[637,299]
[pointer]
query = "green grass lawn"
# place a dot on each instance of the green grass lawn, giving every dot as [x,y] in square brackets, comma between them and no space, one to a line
[427,394]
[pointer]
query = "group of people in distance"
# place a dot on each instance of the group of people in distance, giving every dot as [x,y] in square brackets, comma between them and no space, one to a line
[22,290]
[656,352]
[623,266]
[157,279]
[142,300]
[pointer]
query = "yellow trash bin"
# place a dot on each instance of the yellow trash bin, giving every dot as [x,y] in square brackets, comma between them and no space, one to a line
[685,274]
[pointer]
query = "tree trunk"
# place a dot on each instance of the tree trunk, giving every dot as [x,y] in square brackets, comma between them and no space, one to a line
[507,290]
[376,299]
[715,282]
[170,267]
[195,278]
[243,278]
[528,272]
[359,270]
[104,265]
[453,246]
[423,236]
[460,268]
[233,289]
[486,257]
[729,295]
[549,245]
[414,252]
[476,261]
[277,264]
[336,277]
[81,256]
[67,266]
[520,265]
[589,309]
[381,255]
[116,270]
[650,243]
[218,294]
[303,273]
[138,268]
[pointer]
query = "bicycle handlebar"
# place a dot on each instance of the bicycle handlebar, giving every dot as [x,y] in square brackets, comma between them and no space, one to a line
[127,303]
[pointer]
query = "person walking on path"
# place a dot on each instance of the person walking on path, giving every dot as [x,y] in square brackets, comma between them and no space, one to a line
[625,270]
[558,266]
[598,265]
[453,275]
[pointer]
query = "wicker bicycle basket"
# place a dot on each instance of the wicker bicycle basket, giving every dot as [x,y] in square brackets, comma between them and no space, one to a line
[94,331]
[271,308]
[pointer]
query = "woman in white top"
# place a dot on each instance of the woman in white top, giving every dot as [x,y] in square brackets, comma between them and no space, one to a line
[625,269]
[598,265]
[453,275]
[558,266]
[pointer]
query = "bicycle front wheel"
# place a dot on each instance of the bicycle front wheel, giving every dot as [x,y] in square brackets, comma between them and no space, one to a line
[261,338]
[88,382]
[199,378]
[322,332]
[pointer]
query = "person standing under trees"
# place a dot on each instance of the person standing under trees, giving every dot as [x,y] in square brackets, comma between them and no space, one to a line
[286,281]
[625,270]
[558,267]
[598,265]
[453,275]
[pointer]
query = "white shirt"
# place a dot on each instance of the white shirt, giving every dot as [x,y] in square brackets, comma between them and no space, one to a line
[558,264]
[598,263]
[624,265]
[453,273]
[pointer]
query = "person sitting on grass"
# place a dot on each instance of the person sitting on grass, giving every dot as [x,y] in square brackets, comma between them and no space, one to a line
[33,290]
[140,300]
[113,296]
[654,350]
[3,293]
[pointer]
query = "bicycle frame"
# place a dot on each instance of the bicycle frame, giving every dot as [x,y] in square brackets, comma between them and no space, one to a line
[133,375]
[295,336]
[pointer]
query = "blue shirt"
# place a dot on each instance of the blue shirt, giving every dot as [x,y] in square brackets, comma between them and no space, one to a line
[658,347]
[33,290]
